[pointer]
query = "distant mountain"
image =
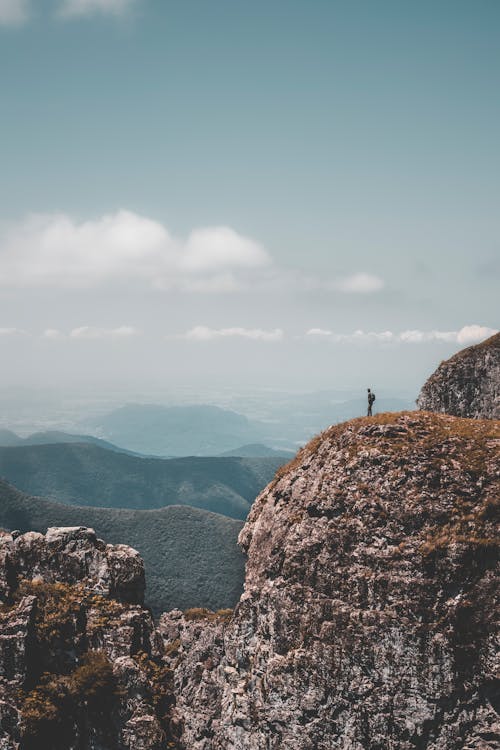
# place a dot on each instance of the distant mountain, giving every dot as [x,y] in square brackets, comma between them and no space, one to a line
[86,474]
[258,450]
[192,558]
[9,439]
[176,430]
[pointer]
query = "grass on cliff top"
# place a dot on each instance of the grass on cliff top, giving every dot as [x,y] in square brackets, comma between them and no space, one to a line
[426,428]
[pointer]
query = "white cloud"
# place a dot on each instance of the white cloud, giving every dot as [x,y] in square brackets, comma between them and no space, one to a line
[203,333]
[467,335]
[319,332]
[14,12]
[219,248]
[90,332]
[474,333]
[79,8]
[12,332]
[55,250]
[53,334]
[360,283]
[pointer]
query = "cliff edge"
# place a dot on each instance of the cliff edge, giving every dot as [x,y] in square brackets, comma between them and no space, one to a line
[467,384]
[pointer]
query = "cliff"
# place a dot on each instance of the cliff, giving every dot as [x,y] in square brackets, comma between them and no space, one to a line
[468,384]
[370,608]
[80,660]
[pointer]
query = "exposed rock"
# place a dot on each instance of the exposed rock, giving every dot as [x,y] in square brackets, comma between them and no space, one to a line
[370,612]
[80,667]
[73,554]
[468,384]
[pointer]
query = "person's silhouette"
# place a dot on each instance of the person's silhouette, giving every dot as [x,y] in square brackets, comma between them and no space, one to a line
[371,399]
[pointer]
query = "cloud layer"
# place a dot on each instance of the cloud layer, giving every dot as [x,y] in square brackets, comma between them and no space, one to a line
[467,335]
[203,333]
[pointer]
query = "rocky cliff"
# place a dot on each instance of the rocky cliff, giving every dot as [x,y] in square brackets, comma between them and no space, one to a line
[80,660]
[370,612]
[369,618]
[468,384]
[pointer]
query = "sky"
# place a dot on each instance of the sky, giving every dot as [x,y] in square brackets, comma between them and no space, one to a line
[300,194]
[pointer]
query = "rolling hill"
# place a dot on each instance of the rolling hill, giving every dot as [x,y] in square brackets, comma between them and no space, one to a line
[86,474]
[191,556]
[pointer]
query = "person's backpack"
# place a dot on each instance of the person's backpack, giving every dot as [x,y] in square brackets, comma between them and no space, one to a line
[372,397]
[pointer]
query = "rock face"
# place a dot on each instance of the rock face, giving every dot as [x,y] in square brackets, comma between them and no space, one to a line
[370,609]
[468,384]
[80,660]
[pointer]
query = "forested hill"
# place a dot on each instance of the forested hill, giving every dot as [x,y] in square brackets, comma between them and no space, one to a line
[85,474]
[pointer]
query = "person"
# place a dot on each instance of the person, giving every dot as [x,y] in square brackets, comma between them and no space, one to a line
[371,399]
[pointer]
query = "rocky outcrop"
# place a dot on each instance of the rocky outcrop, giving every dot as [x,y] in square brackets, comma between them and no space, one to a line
[370,612]
[72,555]
[468,384]
[80,659]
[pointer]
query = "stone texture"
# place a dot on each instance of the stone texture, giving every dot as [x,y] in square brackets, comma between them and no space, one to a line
[468,384]
[66,596]
[370,613]
[70,555]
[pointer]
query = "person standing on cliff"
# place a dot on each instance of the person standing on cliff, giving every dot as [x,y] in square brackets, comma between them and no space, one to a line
[371,399]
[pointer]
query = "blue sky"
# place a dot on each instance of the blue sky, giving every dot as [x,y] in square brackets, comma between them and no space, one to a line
[192,181]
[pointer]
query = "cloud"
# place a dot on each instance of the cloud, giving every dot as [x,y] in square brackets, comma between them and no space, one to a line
[467,335]
[474,333]
[90,332]
[319,332]
[53,334]
[82,8]
[14,12]
[12,332]
[360,283]
[203,333]
[54,250]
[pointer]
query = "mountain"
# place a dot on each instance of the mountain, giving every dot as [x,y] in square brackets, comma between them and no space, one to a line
[86,474]
[191,556]
[467,384]
[7,437]
[49,437]
[258,450]
[176,430]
